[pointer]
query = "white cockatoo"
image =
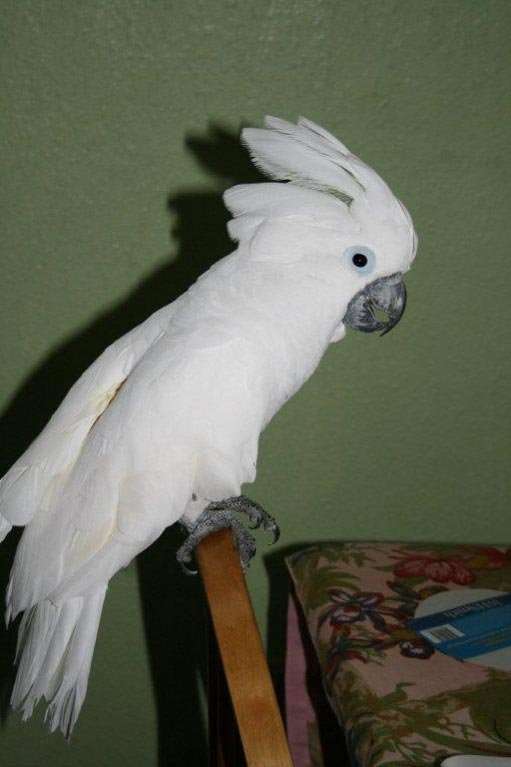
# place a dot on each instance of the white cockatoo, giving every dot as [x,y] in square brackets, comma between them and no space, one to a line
[164,426]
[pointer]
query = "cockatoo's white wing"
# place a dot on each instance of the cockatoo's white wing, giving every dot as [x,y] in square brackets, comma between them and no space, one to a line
[28,486]
[112,500]
[46,489]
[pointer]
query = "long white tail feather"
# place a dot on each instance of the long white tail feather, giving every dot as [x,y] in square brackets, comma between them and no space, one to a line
[47,679]
[35,633]
[71,684]
[54,654]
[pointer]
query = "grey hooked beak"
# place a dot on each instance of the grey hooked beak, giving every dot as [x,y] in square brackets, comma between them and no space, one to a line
[387,295]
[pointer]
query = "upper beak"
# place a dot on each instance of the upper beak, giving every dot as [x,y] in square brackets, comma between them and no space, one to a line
[388,295]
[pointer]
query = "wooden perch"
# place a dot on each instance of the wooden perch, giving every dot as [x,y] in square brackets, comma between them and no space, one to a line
[244,662]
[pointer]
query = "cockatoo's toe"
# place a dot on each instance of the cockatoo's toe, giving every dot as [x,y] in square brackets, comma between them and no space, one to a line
[184,556]
[256,514]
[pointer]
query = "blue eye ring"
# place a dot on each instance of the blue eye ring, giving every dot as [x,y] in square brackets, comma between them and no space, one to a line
[360,259]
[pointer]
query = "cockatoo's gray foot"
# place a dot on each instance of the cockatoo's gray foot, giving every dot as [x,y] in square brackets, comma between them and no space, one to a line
[220,515]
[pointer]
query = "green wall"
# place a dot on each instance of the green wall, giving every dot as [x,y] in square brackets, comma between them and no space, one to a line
[119,131]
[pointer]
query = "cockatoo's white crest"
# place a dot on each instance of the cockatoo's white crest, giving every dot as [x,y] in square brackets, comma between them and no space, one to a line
[168,418]
[330,188]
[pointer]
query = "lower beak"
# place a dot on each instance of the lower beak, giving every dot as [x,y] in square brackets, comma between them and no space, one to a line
[378,306]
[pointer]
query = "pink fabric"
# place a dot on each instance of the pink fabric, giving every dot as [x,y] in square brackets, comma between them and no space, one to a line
[299,710]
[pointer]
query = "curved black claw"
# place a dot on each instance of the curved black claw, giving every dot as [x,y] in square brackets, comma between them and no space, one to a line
[219,515]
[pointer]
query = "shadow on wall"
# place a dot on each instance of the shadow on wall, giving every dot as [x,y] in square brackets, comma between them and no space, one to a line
[172,604]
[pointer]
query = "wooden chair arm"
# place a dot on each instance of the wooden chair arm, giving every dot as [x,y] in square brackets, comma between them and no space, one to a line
[242,653]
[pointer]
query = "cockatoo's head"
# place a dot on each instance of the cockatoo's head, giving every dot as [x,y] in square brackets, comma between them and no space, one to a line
[334,210]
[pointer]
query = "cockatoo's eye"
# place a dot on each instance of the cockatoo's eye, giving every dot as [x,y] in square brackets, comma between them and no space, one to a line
[360,259]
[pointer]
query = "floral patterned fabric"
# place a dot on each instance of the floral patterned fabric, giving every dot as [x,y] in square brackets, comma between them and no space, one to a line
[400,701]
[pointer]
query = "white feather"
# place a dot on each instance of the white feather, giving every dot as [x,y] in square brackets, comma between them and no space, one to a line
[310,156]
[55,450]
[56,643]
[254,204]
[290,155]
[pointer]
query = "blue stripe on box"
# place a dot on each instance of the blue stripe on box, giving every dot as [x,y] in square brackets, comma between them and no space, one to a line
[468,630]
